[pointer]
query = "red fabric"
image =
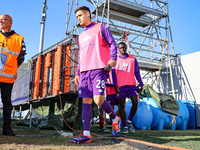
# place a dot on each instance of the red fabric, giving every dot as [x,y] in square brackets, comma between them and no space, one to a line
[101,122]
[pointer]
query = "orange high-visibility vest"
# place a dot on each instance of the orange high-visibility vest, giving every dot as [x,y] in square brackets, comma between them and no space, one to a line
[10,49]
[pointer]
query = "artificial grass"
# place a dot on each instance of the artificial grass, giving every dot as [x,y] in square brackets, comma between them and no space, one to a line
[188,139]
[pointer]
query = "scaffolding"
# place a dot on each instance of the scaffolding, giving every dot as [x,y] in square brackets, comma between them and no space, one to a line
[147,26]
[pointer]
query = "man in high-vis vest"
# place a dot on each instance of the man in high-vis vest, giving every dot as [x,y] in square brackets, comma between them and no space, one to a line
[127,71]
[97,55]
[12,52]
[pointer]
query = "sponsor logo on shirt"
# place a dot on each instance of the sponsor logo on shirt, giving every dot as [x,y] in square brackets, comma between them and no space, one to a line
[100,90]
[125,67]
[3,44]
[86,38]
[124,64]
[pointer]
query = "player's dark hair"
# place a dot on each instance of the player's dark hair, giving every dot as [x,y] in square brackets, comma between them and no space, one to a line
[122,43]
[84,9]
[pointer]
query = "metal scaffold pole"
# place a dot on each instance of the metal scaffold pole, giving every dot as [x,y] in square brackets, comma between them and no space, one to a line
[75,18]
[147,25]
[68,16]
[44,8]
[67,20]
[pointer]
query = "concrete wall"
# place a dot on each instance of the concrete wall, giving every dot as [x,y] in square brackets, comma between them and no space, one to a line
[187,77]
[186,74]
[189,83]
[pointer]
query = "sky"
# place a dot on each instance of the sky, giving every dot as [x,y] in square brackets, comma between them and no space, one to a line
[184,20]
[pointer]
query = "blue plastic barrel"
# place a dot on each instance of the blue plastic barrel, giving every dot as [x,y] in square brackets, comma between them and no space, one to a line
[190,104]
[143,117]
[183,116]
[161,119]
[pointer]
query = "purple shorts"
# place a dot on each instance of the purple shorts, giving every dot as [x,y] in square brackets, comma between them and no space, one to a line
[113,99]
[92,82]
[127,91]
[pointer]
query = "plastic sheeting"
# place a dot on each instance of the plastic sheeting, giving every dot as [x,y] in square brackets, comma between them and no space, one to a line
[166,102]
[72,115]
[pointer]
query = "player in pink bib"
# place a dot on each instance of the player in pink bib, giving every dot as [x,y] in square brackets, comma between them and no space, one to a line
[95,45]
[127,70]
[112,90]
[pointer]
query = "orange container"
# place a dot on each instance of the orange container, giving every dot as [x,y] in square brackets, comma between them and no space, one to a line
[36,82]
[47,65]
[54,70]
[67,69]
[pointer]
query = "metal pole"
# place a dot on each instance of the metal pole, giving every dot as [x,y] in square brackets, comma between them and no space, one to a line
[44,8]
[170,31]
[30,125]
[67,17]
[67,24]
[20,110]
[13,113]
[171,74]
[75,17]
[103,12]
[108,13]
[97,11]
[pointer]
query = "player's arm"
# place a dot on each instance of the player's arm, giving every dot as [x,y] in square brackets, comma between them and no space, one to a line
[112,44]
[138,76]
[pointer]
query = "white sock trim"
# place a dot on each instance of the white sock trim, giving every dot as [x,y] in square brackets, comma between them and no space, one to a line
[128,121]
[86,133]
[115,120]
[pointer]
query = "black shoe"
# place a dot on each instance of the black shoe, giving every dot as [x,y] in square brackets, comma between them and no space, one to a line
[8,132]
[104,129]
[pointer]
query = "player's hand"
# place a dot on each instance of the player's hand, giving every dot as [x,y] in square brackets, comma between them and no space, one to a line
[139,88]
[117,89]
[112,63]
[77,80]
[107,68]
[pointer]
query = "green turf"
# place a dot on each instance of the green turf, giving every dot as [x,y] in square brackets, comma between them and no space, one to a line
[189,139]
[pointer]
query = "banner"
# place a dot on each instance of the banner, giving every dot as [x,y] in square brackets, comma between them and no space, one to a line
[20,92]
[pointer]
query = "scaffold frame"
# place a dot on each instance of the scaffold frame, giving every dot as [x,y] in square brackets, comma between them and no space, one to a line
[148,30]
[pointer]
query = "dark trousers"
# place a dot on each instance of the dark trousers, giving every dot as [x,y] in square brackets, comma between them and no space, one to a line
[6,89]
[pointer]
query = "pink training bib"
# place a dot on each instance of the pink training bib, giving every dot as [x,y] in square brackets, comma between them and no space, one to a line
[110,89]
[94,53]
[125,71]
